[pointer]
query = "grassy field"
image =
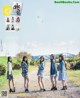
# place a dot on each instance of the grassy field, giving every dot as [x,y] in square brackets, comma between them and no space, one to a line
[74,76]
[3,79]
[3,60]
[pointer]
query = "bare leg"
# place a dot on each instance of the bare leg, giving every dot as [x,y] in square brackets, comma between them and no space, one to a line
[63,82]
[24,82]
[13,82]
[52,81]
[55,81]
[9,84]
[27,82]
[42,82]
[39,82]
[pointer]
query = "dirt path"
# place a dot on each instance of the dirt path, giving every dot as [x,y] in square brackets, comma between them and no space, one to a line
[72,92]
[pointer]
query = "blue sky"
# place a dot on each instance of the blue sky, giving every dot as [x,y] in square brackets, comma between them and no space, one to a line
[45,28]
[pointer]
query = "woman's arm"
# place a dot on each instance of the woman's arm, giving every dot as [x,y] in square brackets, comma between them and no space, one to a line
[42,66]
[62,66]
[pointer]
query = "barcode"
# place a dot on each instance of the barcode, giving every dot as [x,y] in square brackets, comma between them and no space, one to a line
[4,93]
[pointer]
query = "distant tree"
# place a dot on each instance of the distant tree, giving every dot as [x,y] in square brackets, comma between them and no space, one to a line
[21,54]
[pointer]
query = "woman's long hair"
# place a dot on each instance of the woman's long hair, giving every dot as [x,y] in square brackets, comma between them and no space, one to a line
[24,59]
[8,60]
[62,58]
[40,59]
[52,57]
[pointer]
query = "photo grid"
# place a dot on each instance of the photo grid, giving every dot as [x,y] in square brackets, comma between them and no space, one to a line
[12,22]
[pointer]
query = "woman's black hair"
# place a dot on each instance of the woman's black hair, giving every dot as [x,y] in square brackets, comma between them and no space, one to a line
[52,55]
[24,59]
[9,59]
[62,57]
[40,59]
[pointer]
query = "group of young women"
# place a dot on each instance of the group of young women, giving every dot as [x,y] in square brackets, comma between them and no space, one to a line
[53,73]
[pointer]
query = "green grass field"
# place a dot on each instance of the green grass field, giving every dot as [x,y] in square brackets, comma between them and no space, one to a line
[74,76]
[3,60]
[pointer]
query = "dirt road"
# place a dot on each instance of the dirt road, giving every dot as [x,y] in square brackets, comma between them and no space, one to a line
[72,92]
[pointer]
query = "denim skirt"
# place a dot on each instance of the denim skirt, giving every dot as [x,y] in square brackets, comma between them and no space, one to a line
[40,73]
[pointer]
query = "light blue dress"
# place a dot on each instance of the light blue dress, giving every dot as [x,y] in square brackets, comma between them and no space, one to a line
[24,69]
[41,69]
[62,71]
[53,69]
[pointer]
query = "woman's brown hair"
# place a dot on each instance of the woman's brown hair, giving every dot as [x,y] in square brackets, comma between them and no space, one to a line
[62,57]
[40,58]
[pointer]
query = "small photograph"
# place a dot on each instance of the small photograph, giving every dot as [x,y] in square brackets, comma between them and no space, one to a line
[18,20]
[12,20]
[12,27]
[17,8]
[8,19]
[8,27]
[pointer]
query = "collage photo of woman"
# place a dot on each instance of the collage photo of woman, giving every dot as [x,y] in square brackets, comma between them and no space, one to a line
[12,22]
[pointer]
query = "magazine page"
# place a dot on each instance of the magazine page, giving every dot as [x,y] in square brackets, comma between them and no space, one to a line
[39,48]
